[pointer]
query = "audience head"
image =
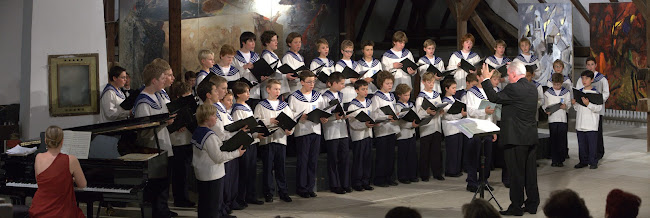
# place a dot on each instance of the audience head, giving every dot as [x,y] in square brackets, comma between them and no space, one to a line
[565,203]
[403,212]
[622,204]
[479,207]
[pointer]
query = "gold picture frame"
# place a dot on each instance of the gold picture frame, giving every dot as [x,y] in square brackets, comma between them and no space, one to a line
[73,84]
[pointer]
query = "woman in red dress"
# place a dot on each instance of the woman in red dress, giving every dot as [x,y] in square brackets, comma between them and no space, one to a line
[55,173]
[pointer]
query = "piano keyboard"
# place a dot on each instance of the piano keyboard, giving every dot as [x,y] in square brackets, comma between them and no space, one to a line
[86,189]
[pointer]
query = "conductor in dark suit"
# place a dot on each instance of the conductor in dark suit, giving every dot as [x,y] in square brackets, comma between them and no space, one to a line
[518,136]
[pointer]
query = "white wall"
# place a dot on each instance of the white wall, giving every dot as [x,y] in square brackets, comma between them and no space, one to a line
[58,27]
[10,42]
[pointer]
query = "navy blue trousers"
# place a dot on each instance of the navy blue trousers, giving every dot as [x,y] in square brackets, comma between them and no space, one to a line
[210,198]
[473,156]
[587,143]
[338,162]
[407,159]
[361,162]
[558,141]
[454,149]
[273,158]
[180,165]
[231,183]
[307,150]
[384,159]
[248,174]
[430,155]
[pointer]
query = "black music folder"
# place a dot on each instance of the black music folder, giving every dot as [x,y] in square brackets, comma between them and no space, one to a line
[129,102]
[554,107]
[262,68]
[457,107]
[237,125]
[240,139]
[363,117]
[286,122]
[466,66]
[439,73]
[241,79]
[262,129]
[426,104]
[387,110]
[350,73]
[286,69]
[406,63]
[595,98]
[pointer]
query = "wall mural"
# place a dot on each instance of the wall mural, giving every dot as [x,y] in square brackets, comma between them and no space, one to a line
[208,24]
[548,26]
[618,43]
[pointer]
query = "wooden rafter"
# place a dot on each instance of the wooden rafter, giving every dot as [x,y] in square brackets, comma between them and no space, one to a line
[366,18]
[489,14]
[482,30]
[542,1]
[175,39]
[111,30]
[581,9]
[468,10]
[393,18]
[641,6]
[514,5]
[445,18]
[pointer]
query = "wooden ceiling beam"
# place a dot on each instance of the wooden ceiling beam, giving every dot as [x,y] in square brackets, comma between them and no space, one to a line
[581,9]
[482,30]
[514,5]
[468,9]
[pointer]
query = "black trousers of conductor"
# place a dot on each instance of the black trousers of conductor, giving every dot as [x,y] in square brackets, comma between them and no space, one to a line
[558,141]
[307,150]
[600,146]
[407,159]
[273,158]
[522,167]
[247,174]
[454,149]
[231,184]
[473,156]
[338,162]
[181,164]
[210,198]
[430,155]
[361,162]
[384,159]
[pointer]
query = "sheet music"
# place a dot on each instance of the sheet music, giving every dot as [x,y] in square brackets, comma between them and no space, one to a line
[471,127]
[76,143]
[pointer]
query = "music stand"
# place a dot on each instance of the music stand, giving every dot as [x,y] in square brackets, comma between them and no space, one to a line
[482,184]
[472,127]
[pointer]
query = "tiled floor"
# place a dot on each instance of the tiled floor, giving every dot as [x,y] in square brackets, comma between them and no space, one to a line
[625,166]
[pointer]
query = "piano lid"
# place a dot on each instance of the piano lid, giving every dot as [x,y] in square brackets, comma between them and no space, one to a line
[116,127]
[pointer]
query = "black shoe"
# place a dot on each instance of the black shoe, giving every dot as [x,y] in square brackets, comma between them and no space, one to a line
[507,185]
[173,214]
[593,167]
[455,175]
[580,165]
[529,210]
[405,181]
[357,188]
[348,189]
[184,204]
[560,164]
[392,183]
[285,198]
[237,207]
[268,198]
[414,180]
[554,165]
[339,191]
[425,179]
[471,188]
[383,185]
[368,187]
[312,194]
[511,213]
[303,194]
[254,201]
[243,203]
[228,210]
[439,178]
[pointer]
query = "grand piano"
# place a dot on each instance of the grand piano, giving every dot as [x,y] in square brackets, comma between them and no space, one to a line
[110,179]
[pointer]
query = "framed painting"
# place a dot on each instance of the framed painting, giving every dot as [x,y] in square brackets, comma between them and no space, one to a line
[73,84]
